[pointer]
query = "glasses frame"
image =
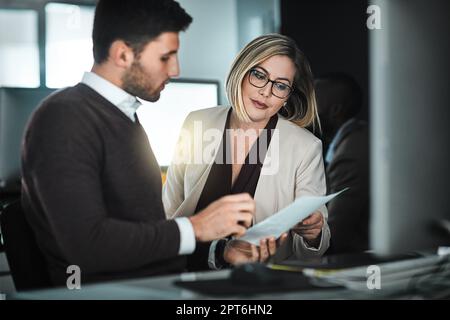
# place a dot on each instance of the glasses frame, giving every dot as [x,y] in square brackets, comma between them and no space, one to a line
[272,83]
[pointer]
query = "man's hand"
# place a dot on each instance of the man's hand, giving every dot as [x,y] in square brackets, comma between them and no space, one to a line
[230,215]
[238,252]
[310,229]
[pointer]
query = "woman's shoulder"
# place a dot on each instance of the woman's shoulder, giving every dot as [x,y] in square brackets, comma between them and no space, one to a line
[209,117]
[207,113]
[296,143]
[303,135]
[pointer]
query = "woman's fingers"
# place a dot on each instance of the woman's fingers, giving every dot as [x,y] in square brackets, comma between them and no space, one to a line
[255,254]
[272,246]
[267,248]
[314,218]
[301,227]
[314,221]
[311,233]
[242,246]
[282,239]
[263,250]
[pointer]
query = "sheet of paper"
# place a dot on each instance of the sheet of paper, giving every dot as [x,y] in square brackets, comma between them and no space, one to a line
[286,218]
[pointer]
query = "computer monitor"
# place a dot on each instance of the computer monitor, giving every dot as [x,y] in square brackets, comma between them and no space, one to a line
[410,114]
[16,106]
[162,120]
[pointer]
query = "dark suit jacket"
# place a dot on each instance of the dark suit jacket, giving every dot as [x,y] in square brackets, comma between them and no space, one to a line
[348,214]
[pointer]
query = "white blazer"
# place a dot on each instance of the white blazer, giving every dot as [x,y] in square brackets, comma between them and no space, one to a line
[293,167]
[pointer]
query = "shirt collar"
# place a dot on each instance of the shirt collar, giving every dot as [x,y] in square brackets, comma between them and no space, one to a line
[124,101]
[331,148]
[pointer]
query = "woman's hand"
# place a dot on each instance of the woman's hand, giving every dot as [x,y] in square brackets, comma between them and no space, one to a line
[311,229]
[239,252]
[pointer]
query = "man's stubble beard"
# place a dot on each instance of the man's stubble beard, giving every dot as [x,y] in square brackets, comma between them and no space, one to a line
[137,83]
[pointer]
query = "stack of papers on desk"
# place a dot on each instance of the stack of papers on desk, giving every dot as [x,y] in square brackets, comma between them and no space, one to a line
[396,275]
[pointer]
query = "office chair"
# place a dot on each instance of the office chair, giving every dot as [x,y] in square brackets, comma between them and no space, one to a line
[26,261]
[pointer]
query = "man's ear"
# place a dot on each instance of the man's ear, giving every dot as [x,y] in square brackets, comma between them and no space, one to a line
[121,54]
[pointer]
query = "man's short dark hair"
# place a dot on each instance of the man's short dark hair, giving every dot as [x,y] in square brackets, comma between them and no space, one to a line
[346,91]
[136,22]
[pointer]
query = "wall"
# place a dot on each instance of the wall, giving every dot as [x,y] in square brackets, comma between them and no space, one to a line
[219,30]
[211,42]
[256,17]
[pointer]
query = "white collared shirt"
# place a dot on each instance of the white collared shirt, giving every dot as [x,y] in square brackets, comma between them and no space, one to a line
[124,101]
[331,148]
[128,104]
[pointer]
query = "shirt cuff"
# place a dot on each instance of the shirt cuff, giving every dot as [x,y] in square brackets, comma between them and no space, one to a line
[187,236]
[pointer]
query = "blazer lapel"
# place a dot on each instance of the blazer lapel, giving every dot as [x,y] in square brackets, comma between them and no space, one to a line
[187,207]
[198,173]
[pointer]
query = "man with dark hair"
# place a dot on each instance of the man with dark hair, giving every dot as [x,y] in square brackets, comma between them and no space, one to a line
[346,145]
[91,184]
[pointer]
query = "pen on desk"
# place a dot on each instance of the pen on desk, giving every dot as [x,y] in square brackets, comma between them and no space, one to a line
[319,272]
[274,266]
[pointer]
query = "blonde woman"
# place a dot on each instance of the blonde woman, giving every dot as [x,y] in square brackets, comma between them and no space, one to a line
[270,88]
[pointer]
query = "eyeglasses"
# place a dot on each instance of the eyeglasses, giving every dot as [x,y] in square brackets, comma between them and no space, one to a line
[260,80]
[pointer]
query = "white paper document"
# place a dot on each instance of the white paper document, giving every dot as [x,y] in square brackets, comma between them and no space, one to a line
[286,218]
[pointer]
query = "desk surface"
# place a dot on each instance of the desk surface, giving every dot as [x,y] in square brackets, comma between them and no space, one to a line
[397,280]
[164,288]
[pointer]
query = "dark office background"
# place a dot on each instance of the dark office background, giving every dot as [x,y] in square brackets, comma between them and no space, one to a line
[333,35]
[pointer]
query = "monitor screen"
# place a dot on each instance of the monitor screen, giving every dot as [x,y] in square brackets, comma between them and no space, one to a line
[16,106]
[410,112]
[162,120]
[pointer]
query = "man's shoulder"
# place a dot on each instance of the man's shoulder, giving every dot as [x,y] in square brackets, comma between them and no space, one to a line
[355,144]
[69,96]
[63,105]
[358,136]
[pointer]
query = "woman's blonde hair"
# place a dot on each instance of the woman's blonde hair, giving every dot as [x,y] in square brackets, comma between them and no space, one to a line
[301,107]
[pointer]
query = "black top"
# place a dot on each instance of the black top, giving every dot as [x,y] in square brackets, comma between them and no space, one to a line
[91,191]
[219,182]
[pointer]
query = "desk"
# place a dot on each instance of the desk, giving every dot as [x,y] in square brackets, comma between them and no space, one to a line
[163,287]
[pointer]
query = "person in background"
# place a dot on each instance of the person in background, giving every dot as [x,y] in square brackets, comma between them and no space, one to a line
[339,99]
